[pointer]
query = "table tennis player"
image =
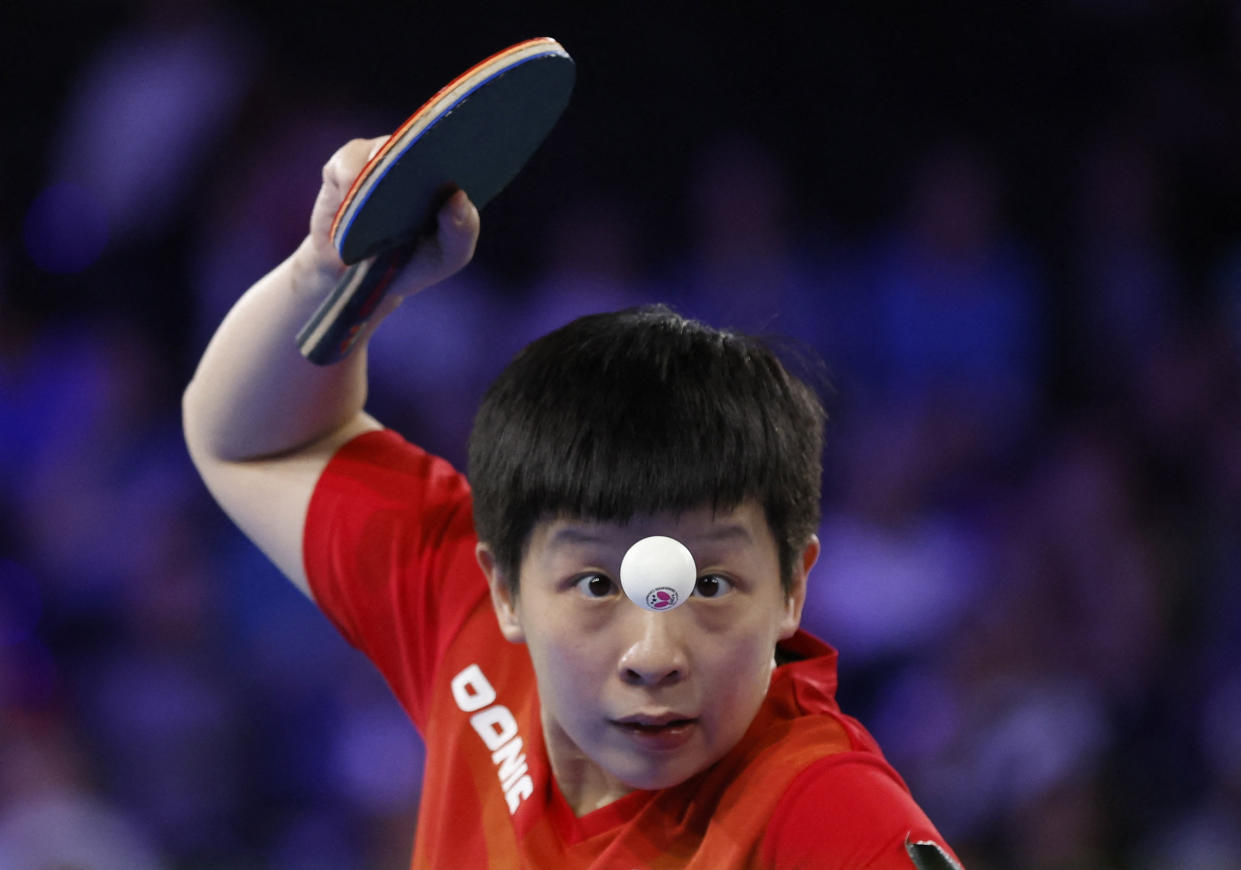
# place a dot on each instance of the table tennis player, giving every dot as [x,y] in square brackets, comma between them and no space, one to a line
[566,726]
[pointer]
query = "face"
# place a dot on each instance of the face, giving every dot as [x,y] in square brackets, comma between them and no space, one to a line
[636,699]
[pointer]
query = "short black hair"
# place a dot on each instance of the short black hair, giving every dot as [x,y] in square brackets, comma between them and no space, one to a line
[644,411]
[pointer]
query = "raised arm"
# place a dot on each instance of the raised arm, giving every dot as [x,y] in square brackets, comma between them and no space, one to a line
[260,421]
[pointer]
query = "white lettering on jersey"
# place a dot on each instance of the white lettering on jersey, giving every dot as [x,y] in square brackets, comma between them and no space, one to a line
[471,690]
[511,761]
[497,727]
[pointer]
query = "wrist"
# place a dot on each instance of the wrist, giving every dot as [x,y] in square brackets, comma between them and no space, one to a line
[314,270]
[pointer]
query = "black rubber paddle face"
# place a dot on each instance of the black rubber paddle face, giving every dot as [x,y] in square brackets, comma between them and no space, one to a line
[475,134]
[478,144]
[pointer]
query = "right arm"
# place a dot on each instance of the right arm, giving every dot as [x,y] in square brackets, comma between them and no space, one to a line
[260,421]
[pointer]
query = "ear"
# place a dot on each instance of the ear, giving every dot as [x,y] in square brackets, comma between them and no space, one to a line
[797,588]
[503,599]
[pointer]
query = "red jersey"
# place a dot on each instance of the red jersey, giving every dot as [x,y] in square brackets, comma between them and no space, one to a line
[389,551]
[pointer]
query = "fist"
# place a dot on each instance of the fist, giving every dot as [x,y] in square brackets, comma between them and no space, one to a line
[435,257]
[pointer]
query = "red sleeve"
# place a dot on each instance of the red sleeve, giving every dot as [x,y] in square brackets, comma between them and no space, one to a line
[389,553]
[847,811]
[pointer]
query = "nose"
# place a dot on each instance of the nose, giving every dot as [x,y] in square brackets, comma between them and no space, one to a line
[655,655]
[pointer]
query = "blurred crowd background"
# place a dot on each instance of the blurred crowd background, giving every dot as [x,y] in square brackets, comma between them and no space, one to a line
[1005,242]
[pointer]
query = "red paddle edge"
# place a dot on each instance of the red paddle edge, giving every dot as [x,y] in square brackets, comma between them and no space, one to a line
[364,175]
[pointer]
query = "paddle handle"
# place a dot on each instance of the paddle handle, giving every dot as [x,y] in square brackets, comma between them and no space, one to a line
[331,332]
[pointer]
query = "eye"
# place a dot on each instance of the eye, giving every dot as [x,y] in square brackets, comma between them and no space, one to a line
[595,586]
[712,586]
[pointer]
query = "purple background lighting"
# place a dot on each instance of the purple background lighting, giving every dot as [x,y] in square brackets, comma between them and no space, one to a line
[1011,232]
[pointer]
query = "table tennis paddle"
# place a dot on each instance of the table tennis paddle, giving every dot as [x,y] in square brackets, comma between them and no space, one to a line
[929,855]
[475,134]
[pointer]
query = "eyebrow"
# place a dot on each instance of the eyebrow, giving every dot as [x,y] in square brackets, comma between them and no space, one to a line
[726,533]
[574,535]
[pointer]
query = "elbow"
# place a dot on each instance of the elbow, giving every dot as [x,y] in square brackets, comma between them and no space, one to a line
[196,429]
[191,425]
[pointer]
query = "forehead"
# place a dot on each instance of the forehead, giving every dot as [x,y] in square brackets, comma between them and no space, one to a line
[741,526]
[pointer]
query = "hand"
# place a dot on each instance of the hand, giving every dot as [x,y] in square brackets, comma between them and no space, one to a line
[435,257]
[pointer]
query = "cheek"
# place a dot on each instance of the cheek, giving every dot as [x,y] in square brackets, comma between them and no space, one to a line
[738,669]
[739,664]
[744,632]
[566,667]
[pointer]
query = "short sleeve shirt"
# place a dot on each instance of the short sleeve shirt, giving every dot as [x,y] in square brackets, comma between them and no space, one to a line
[389,551]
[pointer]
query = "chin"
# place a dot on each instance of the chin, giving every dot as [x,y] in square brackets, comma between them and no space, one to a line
[651,775]
[666,777]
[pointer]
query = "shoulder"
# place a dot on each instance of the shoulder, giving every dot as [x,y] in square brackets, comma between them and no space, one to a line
[383,462]
[388,550]
[847,810]
[384,497]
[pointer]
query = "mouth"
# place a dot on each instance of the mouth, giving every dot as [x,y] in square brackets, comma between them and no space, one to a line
[663,731]
[655,720]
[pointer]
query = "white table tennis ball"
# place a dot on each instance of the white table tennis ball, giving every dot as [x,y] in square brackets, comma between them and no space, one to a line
[658,573]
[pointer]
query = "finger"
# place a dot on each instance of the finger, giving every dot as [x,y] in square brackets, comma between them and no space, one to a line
[441,255]
[339,174]
[458,232]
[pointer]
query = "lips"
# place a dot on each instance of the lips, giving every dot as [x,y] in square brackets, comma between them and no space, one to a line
[654,720]
[659,732]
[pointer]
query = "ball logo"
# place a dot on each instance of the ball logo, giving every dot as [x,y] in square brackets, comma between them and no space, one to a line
[661,598]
